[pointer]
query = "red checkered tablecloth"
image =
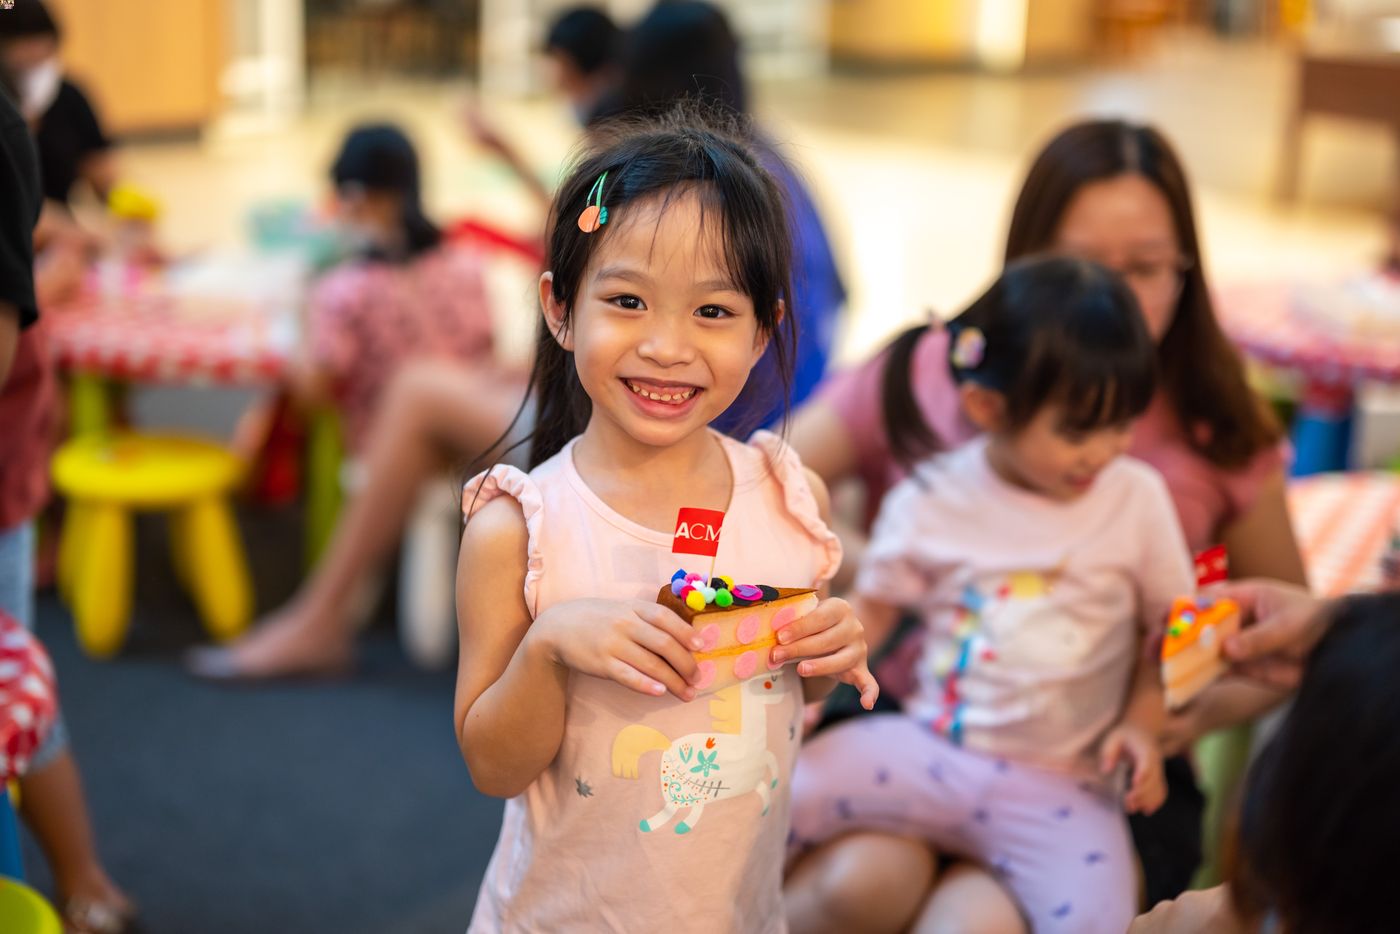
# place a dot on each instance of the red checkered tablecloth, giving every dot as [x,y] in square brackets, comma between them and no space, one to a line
[1344,522]
[154,337]
[1261,319]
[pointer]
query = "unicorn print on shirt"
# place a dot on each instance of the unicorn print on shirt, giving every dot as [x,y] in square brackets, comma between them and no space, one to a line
[701,768]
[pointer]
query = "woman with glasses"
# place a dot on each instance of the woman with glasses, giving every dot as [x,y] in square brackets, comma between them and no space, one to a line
[1113,192]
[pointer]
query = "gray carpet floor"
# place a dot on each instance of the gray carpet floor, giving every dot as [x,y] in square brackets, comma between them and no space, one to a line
[333,807]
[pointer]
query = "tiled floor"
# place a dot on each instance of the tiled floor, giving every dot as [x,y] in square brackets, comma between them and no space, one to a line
[915,174]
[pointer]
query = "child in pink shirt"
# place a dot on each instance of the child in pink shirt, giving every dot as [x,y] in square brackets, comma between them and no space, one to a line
[1040,561]
[639,798]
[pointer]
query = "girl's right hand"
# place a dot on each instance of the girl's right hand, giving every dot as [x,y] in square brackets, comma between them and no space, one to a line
[640,645]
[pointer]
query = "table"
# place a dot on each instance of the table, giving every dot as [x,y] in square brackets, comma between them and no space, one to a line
[1342,72]
[1260,319]
[1344,521]
[228,321]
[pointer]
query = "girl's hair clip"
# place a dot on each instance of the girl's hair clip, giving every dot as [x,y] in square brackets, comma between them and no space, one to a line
[594,215]
[969,347]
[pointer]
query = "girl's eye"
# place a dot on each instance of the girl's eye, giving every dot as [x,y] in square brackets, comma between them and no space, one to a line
[714,312]
[630,302]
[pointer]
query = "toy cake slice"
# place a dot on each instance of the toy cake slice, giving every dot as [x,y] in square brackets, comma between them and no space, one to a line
[739,623]
[1191,659]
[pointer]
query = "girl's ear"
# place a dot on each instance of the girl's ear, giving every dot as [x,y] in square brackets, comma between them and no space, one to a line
[985,408]
[555,313]
[761,341]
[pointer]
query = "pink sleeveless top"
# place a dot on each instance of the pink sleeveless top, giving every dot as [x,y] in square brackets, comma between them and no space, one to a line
[656,814]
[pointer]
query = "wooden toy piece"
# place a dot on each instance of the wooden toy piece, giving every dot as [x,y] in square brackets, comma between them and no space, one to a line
[739,624]
[1191,651]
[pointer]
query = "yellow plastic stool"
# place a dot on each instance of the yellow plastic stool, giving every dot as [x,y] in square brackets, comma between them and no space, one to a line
[24,911]
[106,478]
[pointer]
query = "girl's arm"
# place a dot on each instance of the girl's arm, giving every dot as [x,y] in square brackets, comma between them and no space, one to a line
[1135,740]
[509,704]
[830,640]
[512,674]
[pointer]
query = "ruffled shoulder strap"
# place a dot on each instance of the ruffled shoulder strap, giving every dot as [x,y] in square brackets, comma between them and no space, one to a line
[504,480]
[798,498]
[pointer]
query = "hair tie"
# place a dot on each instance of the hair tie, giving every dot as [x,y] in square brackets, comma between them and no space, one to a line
[969,348]
[594,215]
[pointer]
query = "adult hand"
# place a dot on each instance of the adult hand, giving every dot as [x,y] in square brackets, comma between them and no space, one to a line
[1283,623]
[1203,912]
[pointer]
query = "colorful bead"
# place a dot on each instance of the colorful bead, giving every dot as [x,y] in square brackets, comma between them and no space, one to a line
[677,586]
[723,598]
[695,600]
[679,575]
[746,592]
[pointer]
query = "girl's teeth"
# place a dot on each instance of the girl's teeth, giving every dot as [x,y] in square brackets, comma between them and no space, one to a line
[661,397]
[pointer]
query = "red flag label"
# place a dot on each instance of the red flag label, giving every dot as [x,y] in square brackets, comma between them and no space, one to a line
[1212,566]
[697,532]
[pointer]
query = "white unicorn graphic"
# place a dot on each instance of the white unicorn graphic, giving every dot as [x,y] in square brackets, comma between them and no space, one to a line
[703,767]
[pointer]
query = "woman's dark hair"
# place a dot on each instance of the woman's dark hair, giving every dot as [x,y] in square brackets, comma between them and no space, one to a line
[587,36]
[690,150]
[1319,831]
[1202,375]
[27,19]
[1058,330]
[1203,378]
[681,50]
[379,157]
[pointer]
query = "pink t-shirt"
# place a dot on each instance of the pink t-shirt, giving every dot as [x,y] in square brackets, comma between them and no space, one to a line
[656,813]
[366,319]
[1207,497]
[1034,610]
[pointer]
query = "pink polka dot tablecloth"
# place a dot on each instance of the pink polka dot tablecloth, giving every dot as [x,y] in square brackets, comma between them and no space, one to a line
[1344,522]
[1264,321]
[158,337]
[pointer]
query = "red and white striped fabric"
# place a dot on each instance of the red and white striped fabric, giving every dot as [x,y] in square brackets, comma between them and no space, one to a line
[1263,321]
[1344,522]
[156,338]
[28,699]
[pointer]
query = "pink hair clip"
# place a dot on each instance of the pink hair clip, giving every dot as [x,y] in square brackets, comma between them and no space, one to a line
[969,348]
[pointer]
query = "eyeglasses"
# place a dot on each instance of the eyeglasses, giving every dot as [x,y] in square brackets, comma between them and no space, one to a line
[1158,279]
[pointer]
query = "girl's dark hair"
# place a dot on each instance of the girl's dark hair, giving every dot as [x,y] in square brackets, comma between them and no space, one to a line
[682,50]
[689,150]
[1202,374]
[1060,330]
[1319,831]
[380,157]
[27,19]
[587,35]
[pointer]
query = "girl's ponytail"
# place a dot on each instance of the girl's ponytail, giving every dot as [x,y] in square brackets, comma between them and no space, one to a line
[910,437]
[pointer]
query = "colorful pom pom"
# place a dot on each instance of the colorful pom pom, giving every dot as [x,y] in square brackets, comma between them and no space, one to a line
[679,575]
[723,599]
[677,586]
[709,593]
[728,581]
[695,600]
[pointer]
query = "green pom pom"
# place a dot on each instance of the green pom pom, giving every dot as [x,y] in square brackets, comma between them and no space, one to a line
[723,598]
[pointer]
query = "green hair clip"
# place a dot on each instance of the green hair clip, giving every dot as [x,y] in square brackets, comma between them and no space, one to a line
[594,215]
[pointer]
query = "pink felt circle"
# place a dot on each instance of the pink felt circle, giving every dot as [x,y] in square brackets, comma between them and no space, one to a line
[709,637]
[705,675]
[784,618]
[745,666]
[747,629]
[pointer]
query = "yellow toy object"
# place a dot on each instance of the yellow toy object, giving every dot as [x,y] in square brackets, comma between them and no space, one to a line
[127,202]
[24,911]
[106,478]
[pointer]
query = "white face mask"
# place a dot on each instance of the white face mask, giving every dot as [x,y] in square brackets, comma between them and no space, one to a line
[38,87]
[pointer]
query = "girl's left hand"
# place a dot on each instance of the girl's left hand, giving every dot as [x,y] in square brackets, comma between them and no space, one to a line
[830,640]
[1138,749]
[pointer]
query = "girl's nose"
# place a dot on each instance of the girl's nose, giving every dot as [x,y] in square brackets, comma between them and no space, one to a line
[667,344]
